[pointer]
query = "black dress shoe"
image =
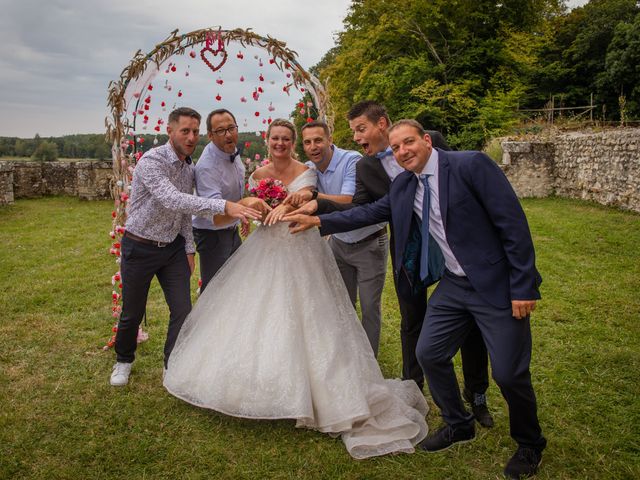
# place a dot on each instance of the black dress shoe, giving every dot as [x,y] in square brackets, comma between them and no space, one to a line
[523,464]
[446,436]
[478,402]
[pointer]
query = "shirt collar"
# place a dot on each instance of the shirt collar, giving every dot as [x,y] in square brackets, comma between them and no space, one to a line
[173,156]
[431,168]
[333,162]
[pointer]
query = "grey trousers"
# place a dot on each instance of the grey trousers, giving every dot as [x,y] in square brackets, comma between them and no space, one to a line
[364,267]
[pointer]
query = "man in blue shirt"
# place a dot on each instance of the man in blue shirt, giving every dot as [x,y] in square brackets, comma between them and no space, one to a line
[219,173]
[361,254]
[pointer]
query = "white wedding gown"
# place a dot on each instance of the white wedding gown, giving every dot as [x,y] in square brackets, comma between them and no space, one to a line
[275,336]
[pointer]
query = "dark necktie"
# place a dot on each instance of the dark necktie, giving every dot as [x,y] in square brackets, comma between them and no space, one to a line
[424,253]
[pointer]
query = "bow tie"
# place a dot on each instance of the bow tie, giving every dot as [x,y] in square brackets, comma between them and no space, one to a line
[385,153]
[233,156]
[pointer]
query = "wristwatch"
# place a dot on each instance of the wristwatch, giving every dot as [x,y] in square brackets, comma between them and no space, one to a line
[314,194]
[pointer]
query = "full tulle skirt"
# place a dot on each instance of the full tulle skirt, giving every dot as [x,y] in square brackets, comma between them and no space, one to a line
[274,336]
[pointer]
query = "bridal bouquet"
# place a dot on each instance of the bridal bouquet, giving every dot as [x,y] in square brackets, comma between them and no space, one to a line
[272,191]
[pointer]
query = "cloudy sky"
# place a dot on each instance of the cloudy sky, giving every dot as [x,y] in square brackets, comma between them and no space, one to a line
[58,56]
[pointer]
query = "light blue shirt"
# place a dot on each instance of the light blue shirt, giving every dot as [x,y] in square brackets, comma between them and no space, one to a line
[436,226]
[340,179]
[218,177]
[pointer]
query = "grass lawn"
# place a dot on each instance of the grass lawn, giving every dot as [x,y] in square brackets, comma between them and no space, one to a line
[60,419]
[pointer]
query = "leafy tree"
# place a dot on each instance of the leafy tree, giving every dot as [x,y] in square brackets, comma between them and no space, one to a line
[437,61]
[46,151]
[622,65]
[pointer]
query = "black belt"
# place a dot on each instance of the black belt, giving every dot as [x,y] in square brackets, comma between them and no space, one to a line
[146,241]
[368,238]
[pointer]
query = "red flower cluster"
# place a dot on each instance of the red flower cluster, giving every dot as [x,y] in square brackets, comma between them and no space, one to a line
[271,191]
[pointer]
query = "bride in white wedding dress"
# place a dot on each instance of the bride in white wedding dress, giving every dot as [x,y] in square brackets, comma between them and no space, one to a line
[274,336]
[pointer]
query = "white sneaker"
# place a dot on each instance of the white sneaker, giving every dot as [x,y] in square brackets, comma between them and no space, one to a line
[120,374]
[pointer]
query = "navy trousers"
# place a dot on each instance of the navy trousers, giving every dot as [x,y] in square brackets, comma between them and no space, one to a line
[214,247]
[140,263]
[454,308]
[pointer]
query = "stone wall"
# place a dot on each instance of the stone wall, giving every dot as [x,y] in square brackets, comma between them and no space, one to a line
[6,184]
[603,167]
[89,180]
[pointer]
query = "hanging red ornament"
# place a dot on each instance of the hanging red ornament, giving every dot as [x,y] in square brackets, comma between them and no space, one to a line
[260,90]
[146,106]
[257,114]
[219,81]
[240,55]
[243,99]
[300,105]
[247,144]
[157,128]
[163,104]
[242,78]
[272,61]
[150,87]
[173,68]
[309,120]
[179,93]
[261,78]
[192,54]
[218,97]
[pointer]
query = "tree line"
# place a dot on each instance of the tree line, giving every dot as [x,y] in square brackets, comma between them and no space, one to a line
[468,67]
[94,146]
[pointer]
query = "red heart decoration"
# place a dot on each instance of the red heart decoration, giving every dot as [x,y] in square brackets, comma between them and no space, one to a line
[215,54]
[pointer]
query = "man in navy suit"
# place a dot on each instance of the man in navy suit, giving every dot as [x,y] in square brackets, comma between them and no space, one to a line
[476,223]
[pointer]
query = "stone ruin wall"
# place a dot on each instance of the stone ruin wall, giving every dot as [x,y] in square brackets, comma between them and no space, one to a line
[88,180]
[603,167]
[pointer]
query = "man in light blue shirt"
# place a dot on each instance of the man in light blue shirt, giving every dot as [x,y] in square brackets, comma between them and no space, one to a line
[219,173]
[361,254]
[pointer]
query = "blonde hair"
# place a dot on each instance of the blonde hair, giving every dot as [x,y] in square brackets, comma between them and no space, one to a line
[281,122]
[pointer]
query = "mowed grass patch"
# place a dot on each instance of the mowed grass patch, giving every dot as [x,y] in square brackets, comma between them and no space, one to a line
[59,418]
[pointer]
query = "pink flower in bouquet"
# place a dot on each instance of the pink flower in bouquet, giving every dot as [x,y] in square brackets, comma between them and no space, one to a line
[272,191]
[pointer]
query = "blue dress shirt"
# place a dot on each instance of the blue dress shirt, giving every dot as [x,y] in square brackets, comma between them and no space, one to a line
[218,177]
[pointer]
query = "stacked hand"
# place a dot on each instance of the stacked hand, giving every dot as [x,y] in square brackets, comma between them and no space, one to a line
[276,215]
[302,219]
[242,212]
[299,198]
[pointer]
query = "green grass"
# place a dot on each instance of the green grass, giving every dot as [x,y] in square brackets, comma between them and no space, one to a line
[60,419]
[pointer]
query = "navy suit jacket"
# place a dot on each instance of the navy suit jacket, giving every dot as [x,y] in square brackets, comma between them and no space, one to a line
[484,223]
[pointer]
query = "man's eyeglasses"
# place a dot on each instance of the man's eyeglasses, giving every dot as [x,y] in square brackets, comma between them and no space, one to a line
[221,132]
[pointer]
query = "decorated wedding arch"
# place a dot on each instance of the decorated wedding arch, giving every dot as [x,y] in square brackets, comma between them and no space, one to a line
[150,86]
